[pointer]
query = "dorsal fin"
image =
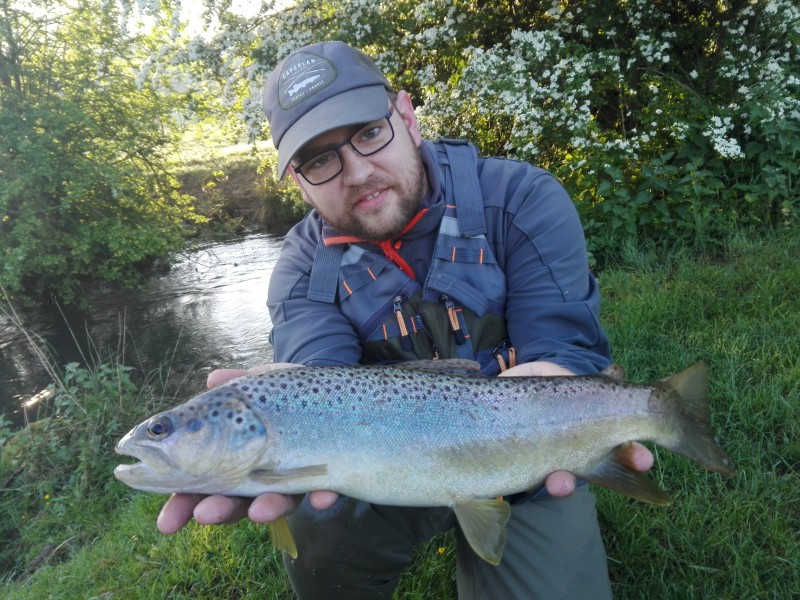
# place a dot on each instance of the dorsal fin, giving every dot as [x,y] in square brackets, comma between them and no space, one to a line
[456,366]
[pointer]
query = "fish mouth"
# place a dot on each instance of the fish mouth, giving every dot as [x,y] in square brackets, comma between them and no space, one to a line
[149,470]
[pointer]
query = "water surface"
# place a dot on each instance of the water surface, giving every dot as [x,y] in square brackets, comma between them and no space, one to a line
[208,311]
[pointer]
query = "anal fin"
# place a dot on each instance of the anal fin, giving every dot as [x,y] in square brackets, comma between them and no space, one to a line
[483,523]
[613,474]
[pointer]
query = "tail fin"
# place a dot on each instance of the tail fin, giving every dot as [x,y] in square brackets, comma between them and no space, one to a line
[688,392]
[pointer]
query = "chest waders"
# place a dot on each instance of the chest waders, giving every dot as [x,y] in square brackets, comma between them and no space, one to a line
[357,551]
[457,312]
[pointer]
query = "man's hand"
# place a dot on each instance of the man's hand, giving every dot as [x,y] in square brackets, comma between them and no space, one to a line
[217,510]
[562,483]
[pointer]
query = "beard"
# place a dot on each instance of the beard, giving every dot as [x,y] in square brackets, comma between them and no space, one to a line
[388,220]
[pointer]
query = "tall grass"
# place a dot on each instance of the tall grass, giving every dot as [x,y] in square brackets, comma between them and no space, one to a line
[722,537]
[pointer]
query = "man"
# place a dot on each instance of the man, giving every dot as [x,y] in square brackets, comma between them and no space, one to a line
[419,250]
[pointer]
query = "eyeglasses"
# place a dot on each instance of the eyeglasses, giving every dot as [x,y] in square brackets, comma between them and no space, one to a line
[368,140]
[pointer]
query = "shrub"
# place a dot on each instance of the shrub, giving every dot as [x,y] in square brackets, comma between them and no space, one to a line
[673,122]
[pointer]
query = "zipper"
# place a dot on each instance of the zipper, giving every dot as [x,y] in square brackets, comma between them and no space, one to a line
[405,338]
[424,328]
[452,316]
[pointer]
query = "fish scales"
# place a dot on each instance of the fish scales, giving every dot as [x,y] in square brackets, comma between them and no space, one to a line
[384,423]
[406,435]
[481,436]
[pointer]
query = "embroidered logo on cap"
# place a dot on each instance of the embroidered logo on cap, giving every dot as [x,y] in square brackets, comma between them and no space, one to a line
[303,75]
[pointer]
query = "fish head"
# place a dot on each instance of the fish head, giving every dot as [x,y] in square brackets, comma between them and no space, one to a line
[207,445]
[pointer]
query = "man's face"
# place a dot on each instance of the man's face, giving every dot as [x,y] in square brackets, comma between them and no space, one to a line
[375,196]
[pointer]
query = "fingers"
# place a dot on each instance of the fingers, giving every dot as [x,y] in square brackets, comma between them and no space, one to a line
[322,499]
[207,510]
[560,484]
[217,510]
[220,376]
[638,458]
[540,368]
[268,507]
[177,511]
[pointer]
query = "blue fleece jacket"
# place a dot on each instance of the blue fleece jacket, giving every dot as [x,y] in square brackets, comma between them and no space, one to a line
[552,304]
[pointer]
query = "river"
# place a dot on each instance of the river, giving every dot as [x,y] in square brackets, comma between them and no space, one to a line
[208,311]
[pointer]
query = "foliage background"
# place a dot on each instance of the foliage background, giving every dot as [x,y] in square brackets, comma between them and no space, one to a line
[676,122]
[671,122]
[84,190]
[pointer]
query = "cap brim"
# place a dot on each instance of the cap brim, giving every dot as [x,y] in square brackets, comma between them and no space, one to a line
[352,107]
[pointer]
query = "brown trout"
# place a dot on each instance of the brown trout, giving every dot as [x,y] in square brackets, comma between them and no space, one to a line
[428,433]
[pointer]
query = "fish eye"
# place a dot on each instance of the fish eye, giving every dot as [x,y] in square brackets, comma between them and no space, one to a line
[159,428]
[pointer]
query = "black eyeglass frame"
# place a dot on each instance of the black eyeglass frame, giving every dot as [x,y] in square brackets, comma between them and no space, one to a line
[349,141]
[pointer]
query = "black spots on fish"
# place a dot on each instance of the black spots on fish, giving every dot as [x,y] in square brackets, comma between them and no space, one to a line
[194,425]
[215,413]
[244,388]
[252,428]
[262,399]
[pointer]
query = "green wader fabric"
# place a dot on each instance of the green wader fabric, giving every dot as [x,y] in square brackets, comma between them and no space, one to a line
[357,551]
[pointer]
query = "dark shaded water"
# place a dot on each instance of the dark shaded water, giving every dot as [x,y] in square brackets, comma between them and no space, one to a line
[208,311]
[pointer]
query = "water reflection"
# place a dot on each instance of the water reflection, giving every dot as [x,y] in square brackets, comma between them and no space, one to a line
[208,311]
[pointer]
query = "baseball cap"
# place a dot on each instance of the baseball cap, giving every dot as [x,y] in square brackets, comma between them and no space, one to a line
[318,88]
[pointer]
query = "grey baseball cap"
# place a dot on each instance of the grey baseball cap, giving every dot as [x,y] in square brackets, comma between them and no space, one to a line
[319,88]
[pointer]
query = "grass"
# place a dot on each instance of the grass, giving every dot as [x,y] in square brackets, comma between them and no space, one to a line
[722,537]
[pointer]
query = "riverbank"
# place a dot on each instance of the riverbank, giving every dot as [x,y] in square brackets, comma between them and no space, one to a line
[236,189]
[70,530]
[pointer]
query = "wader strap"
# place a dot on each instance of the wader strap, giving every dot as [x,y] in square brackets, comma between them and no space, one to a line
[463,185]
[458,161]
[325,273]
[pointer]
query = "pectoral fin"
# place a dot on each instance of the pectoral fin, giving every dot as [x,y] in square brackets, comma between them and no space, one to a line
[483,523]
[274,476]
[281,537]
[613,474]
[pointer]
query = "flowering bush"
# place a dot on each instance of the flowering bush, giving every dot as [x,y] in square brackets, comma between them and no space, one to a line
[666,121]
